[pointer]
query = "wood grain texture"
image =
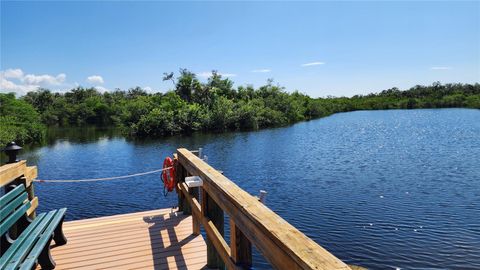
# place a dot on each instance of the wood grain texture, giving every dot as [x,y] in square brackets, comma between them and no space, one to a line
[33,206]
[30,174]
[215,252]
[240,246]
[12,171]
[284,246]
[158,239]
[215,236]
[19,173]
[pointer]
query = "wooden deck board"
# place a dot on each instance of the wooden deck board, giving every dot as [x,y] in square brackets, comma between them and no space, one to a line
[155,239]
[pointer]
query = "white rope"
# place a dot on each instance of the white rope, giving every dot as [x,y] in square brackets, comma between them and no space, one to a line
[100,179]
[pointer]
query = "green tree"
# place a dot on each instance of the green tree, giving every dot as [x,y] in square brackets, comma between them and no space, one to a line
[19,121]
[187,83]
[214,105]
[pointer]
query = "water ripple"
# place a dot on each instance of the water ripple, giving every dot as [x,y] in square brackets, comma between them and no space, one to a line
[383,189]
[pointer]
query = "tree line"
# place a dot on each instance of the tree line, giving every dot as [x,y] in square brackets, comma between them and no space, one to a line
[215,105]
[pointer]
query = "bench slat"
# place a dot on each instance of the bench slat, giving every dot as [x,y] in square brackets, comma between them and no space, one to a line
[14,217]
[23,250]
[12,205]
[11,195]
[20,240]
[45,237]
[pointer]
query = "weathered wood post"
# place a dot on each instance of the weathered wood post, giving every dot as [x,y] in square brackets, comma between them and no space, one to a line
[214,213]
[240,247]
[195,193]
[178,180]
[31,193]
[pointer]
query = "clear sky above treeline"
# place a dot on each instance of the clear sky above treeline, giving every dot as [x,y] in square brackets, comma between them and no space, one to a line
[319,48]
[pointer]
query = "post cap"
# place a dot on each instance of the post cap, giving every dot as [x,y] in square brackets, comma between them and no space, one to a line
[12,146]
[11,150]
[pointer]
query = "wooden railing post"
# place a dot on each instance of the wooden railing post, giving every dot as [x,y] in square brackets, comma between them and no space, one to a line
[212,211]
[195,192]
[179,179]
[195,221]
[31,194]
[240,247]
[187,209]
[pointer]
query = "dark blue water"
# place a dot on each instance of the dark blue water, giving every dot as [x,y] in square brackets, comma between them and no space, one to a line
[381,189]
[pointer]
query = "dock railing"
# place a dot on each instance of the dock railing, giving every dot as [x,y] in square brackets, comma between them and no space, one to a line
[12,175]
[251,223]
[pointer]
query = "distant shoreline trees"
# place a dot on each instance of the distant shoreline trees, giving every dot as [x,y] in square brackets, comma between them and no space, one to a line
[195,106]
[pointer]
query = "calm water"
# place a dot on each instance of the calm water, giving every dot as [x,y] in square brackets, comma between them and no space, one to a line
[381,189]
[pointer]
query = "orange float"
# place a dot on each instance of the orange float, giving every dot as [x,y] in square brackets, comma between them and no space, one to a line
[168,175]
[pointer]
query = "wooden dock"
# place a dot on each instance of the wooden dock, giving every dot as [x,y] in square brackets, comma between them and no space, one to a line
[157,239]
[166,239]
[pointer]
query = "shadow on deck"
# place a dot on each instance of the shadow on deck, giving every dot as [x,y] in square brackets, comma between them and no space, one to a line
[155,239]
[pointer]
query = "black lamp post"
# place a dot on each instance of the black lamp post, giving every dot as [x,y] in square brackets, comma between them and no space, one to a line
[11,150]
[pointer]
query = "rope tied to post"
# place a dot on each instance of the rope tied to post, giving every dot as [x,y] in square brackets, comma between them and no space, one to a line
[101,179]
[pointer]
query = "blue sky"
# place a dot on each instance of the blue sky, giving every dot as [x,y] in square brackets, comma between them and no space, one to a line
[319,48]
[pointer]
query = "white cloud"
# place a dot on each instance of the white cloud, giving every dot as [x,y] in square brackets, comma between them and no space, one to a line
[228,74]
[101,89]
[12,73]
[14,80]
[45,79]
[95,79]
[148,89]
[209,74]
[440,68]
[9,86]
[313,64]
[32,79]
[261,70]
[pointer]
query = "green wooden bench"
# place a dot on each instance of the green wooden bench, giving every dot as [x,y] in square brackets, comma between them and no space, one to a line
[32,244]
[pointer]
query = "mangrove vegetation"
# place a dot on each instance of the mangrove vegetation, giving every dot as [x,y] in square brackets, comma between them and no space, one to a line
[192,105]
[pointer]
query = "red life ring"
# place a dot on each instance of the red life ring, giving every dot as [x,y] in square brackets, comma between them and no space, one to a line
[168,174]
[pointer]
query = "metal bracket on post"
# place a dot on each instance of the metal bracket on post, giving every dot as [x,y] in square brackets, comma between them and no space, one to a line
[193,181]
